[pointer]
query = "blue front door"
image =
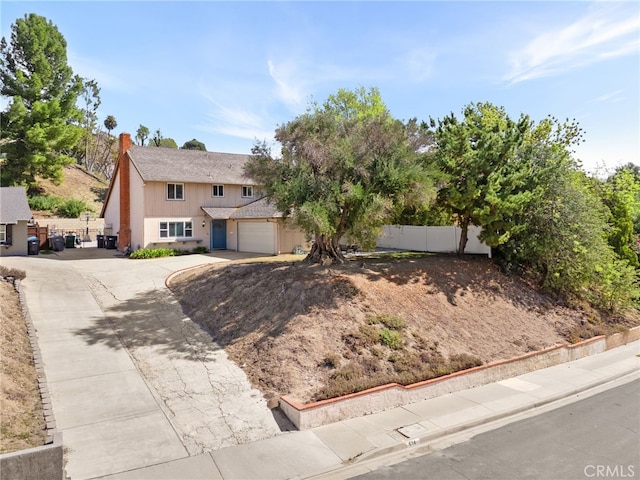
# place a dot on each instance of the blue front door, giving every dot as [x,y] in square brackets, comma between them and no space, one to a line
[218,234]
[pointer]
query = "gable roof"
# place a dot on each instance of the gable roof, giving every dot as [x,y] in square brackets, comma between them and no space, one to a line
[158,164]
[13,205]
[261,208]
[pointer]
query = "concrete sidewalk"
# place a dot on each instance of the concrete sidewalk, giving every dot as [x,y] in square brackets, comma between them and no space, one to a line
[140,392]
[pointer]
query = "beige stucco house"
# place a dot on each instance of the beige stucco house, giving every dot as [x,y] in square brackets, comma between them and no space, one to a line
[15,215]
[163,197]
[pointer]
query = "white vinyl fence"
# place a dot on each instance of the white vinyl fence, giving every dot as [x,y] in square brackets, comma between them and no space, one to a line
[431,239]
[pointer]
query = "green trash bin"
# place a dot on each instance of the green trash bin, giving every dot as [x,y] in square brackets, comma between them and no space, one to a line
[70,241]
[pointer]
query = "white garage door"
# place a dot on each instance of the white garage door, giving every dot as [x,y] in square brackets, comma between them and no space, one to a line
[256,237]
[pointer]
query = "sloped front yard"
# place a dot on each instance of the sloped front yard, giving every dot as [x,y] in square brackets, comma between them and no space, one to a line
[314,332]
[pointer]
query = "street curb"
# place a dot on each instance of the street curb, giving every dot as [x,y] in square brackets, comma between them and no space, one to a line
[362,459]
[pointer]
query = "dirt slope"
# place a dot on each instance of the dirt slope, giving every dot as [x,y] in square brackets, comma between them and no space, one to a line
[292,327]
[22,422]
[79,185]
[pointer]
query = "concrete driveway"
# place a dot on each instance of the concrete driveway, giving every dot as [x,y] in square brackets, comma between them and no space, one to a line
[133,381]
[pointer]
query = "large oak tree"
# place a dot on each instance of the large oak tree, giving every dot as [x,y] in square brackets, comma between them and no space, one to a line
[346,167]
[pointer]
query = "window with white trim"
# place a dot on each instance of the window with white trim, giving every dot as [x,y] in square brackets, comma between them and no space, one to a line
[3,233]
[175,191]
[247,191]
[176,229]
[217,190]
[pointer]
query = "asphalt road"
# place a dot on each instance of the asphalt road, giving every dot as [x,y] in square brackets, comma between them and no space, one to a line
[598,437]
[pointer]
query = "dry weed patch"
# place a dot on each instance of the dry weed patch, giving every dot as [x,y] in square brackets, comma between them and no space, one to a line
[22,422]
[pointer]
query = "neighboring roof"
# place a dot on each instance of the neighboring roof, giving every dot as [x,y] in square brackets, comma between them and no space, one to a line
[13,205]
[158,164]
[259,209]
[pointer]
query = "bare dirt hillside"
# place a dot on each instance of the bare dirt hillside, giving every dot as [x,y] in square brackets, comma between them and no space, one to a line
[79,185]
[313,332]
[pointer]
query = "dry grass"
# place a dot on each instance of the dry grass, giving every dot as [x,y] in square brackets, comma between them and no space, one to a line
[22,422]
[313,332]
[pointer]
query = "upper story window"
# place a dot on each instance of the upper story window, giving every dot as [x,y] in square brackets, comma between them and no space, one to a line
[175,191]
[217,190]
[247,191]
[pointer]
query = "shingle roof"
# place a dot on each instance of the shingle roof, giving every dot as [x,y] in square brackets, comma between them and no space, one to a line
[158,164]
[13,205]
[259,209]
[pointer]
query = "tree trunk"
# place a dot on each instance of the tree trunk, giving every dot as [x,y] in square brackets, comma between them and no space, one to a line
[464,235]
[325,250]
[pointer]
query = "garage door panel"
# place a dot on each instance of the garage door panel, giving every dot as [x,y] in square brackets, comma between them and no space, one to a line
[256,237]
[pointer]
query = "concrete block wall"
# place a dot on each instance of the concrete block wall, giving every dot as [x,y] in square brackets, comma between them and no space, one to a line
[39,462]
[72,225]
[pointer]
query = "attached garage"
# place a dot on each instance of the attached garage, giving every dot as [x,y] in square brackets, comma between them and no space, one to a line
[257,237]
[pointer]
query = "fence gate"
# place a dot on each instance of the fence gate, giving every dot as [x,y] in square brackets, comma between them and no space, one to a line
[42,233]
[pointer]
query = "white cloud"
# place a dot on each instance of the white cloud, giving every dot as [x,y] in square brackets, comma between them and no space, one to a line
[418,64]
[606,31]
[289,82]
[236,122]
[610,97]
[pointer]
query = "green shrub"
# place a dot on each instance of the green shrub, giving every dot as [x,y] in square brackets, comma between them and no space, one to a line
[45,202]
[73,208]
[391,338]
[617,287]
[144,253]
[200,250]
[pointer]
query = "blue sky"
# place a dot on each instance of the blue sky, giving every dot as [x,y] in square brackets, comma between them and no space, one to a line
[228,73]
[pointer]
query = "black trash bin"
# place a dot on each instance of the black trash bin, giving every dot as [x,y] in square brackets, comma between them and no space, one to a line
[33,245]
[100,239]
[57,243]
[112,242]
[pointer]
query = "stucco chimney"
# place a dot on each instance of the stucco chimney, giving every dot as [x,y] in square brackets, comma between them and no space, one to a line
[124,235]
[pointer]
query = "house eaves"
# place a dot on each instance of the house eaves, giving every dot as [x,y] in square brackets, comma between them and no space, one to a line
[14,206]
[259,209]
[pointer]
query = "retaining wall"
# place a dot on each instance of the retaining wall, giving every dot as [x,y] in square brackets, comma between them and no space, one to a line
[39,462]
[394,395]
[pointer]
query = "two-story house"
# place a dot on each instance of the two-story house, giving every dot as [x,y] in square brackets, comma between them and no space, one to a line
[163,197]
